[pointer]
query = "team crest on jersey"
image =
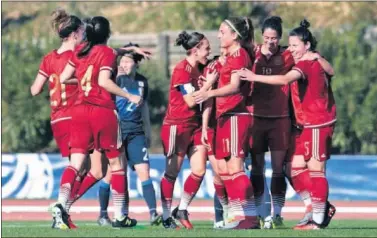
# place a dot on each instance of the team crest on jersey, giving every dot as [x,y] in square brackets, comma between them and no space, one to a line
[141,83]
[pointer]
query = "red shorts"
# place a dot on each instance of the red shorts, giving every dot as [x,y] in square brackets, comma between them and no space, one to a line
[94,124]
[251,125]
[232,136]
[312,143]
[211,139]
[270,133]
[176,139]
[61,131]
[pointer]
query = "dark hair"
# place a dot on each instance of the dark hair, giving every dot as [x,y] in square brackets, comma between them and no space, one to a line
[274,23]
[97,32]
[244,28]
[64,24]
[189,41]
[135,56]
[304,34]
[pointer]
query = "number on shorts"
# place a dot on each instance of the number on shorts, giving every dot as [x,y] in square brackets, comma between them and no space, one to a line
[57,93]
[226,144]
[86,81]
[146,154]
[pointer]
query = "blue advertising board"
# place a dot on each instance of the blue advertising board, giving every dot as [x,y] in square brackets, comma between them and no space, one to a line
[37,176]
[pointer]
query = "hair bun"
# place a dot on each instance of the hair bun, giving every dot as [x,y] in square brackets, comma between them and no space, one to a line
[276,19]
[182,39]
[304,23]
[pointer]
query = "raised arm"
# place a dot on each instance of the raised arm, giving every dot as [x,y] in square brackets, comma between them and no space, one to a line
[67,74]
[288,78]
[327,67]
[232,88]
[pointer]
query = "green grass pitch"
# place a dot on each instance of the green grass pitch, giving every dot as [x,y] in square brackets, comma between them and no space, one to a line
[337,228]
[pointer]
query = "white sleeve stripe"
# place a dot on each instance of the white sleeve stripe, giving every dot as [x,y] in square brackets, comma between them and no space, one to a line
[106,68]
[43,73]
[71,63]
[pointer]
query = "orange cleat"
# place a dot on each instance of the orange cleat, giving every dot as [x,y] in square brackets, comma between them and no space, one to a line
[71,224]
[310,226]
[182,217]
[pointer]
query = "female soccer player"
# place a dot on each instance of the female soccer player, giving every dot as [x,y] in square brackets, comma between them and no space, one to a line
[315,116]
[93,116]
[209,80]
[271,122]
[181,127]
[232,132]
[135,128]
[70,30]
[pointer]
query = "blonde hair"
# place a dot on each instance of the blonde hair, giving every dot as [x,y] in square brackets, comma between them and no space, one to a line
[60,19]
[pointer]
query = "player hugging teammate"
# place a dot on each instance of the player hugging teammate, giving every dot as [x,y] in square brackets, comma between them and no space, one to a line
[238,104]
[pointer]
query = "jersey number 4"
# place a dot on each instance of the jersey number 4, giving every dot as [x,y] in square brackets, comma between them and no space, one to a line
[86,81]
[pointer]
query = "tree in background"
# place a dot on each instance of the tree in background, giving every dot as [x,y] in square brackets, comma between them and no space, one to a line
[340,29]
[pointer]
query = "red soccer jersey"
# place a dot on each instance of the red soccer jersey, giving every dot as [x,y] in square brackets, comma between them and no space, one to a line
[178,112]
[213,66]
[100,57]
[235,103]
[312,97]
[270,100]
[62,96]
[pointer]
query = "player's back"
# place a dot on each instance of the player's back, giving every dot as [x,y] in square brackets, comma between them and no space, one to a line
[62,96]
[88,67]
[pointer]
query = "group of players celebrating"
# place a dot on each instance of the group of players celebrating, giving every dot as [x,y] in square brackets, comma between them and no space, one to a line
[251,99]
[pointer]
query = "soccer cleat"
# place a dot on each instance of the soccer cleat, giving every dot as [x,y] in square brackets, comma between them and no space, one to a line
[104,221]
[59,220]
[70,223]
[261,221]
[170,224]
[330,212]
[277,222]
[308,216]
[156,219]
[310,226]
[182,217]
[218,225]
[248,223]
[126,222]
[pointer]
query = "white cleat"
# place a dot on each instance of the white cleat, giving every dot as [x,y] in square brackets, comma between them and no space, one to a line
[218,225]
